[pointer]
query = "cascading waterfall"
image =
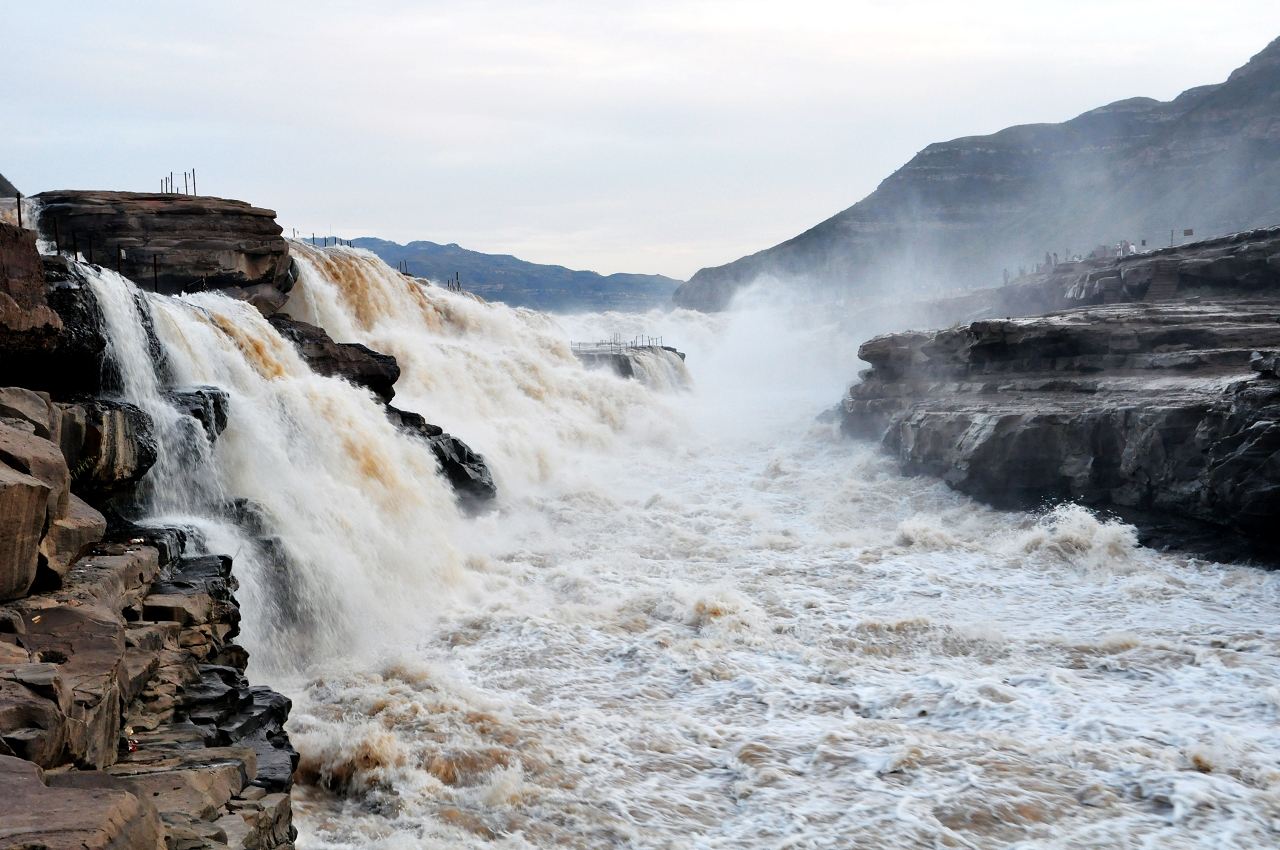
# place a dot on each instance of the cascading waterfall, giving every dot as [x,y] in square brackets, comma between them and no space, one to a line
[505,379]
[660,369]
[363,521]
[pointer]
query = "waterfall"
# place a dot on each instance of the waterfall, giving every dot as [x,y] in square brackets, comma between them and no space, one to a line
[360,523]
[360,534]
[503,378]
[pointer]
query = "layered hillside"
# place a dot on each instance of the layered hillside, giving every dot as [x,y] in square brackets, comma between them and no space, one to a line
[501,277]
[960,212]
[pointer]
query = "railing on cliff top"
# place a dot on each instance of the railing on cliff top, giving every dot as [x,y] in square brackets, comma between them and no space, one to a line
[616,345]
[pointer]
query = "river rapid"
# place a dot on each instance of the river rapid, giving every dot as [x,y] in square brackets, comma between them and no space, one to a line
[699,617]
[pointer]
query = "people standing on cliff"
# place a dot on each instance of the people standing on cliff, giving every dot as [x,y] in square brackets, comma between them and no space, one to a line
[1055,258]
[1006,277]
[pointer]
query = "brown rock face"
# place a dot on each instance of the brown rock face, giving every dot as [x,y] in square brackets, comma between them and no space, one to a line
[175,243]
[24,312]
[97,816]
[23,501]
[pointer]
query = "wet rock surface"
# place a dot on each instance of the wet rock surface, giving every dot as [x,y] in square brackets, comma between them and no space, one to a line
[466,470]
[350,361]
[360,365]
[175,243]
[1152,410]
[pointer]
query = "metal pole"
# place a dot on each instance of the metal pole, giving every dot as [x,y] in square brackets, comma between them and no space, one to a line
[185,190]
[57,243]
[19,209]
[193,182]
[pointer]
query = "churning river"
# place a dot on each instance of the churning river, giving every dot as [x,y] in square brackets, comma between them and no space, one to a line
[697,617]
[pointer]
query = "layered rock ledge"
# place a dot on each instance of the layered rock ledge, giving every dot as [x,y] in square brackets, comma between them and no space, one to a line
[126,720]
[174,243]
[1167,413]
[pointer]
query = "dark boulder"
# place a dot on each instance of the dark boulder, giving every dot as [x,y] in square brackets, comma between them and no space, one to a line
[109,446]
[207,405]
[466,470]
[351,361]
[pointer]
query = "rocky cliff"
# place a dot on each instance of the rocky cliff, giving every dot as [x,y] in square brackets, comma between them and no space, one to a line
[174,243]
[1165,412]
[961,211]
[125,716]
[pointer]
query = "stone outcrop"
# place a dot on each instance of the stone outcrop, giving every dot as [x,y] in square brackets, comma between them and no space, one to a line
[350,361]
[175,243]
[44,526]
[7,189]
[26,319]
[961,211]
[1165,412]
[53,813]
[620,361]
[129,676]
[466,470]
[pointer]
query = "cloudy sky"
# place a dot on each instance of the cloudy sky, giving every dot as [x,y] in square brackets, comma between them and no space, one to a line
[644,137]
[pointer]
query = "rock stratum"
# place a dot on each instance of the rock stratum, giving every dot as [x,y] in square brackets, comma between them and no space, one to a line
[960,212]
[1159,400]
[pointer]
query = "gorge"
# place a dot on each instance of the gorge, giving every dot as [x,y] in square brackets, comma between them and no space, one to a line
[682,613]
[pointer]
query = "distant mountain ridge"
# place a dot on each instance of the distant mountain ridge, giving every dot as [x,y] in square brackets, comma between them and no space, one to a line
[961,211]
[7,189]
[502,277]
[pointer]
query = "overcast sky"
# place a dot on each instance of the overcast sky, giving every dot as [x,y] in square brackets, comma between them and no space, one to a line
[642,137]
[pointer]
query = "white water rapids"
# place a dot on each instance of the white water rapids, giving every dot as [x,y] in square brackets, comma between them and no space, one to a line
[696,619]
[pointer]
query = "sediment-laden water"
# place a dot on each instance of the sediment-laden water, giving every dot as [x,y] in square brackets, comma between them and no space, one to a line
[696,618]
